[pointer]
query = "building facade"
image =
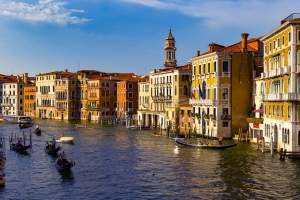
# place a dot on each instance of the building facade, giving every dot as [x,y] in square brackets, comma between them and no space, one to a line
[282,84]
[222,79]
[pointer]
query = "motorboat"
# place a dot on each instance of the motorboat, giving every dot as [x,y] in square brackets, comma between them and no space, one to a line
[65,139]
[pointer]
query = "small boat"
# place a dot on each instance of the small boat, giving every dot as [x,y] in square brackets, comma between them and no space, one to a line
[2,180]
[25,125]
[38,131]
[80,126]
[65,139]
[145,128]
[156,134]
[178,138]
[206,146]
[18,147]
[133,127]
[50,150]
[64,164]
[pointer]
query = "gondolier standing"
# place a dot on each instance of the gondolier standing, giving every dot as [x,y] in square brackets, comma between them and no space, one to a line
[220,140]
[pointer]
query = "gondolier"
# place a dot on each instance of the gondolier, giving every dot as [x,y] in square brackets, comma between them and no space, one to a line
[220,140]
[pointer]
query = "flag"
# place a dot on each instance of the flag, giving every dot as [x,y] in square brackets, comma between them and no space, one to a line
[200,92]
[193,95]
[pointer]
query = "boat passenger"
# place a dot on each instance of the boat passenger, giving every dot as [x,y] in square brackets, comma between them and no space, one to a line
[63,156]
[53,143]
[20,142]
[200,143]
[220,140]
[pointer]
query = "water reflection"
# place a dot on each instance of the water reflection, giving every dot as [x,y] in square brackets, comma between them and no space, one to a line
[67,177]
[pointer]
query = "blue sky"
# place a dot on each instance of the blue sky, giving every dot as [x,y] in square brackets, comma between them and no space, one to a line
[39,36]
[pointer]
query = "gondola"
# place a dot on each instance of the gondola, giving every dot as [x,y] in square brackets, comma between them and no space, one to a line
[25,125]
[62,165]
[38,131]
[50,150]
[206,146]
[18,148]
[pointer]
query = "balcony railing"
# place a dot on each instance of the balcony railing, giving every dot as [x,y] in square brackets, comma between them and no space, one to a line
[208,102]
[6,105]
[281,97]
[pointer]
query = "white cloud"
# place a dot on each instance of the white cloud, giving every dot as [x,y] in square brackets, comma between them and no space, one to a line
[220,13]
[43,10]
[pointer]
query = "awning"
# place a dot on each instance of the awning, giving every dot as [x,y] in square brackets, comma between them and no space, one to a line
[261,110]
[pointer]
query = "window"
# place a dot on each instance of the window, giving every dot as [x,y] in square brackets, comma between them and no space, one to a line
[169,55]
[208,67]
[278,42]
[130,95]
[270,47]
[130,86]
[225,66]
[289,37]
[204,68]
[282,41]
[215,66]
[225,124]
[225,93]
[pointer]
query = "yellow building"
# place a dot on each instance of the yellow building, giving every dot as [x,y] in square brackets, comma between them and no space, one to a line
[222,86]
[282,84]
[168,88]
[45,93]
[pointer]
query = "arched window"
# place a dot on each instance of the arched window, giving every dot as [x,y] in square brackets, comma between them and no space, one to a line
[107,93]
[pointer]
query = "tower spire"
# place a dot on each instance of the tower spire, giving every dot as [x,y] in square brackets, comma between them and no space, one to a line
[170,51]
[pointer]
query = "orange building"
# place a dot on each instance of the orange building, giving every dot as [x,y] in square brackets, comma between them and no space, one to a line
[127,100]
[29,100]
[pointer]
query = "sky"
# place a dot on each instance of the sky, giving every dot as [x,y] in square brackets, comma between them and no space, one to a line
[124,36]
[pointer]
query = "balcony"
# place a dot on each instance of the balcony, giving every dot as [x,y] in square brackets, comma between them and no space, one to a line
[225,74]
[214,74]
[6,105]
[145,105]
[205,102]
[281,97]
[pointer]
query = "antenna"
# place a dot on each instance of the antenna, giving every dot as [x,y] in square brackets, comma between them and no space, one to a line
[78,66]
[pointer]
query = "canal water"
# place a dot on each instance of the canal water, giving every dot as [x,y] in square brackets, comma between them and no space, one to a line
[115,163]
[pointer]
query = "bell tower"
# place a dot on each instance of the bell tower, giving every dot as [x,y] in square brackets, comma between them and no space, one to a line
[170,52]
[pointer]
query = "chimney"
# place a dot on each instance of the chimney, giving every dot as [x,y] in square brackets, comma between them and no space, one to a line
[198,53]
[244,42]
[66,70]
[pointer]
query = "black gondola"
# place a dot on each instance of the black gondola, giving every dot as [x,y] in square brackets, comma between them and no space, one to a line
[38,131]
[51,150]
[62,165]
[206,146]
[17,147]
[25,125]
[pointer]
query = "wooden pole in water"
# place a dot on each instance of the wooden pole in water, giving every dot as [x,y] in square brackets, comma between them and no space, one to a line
[30,136]
[271,145]
[263,145]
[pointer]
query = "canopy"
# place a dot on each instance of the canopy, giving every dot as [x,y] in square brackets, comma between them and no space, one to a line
[261,110]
